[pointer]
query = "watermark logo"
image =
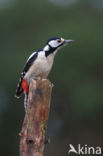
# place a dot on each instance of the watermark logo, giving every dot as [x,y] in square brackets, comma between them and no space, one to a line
[84,149]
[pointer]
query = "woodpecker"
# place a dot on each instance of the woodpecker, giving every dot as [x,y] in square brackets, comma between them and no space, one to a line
[40,63]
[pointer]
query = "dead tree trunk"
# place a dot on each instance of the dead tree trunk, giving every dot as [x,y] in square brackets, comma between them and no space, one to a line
[32,135]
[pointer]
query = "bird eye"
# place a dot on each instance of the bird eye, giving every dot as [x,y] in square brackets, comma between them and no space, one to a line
[59,41]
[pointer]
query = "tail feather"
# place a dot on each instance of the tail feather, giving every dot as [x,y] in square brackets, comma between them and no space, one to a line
[19,89]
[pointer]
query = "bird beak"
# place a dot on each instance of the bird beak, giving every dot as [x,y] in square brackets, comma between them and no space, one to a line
[68,41]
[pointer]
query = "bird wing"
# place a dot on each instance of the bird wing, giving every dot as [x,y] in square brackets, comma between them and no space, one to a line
[29,62]
[27,66]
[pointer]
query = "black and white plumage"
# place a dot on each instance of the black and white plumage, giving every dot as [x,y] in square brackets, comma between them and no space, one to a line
[40,62]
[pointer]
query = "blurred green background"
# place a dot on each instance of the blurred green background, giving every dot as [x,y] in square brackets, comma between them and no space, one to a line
[77,98]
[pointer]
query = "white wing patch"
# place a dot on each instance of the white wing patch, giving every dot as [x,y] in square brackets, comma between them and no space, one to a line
[31,56]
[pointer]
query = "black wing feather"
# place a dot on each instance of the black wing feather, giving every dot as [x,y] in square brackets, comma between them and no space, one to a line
[29,62]
[27,66]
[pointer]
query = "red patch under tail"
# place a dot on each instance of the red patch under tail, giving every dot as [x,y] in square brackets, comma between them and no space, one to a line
[25,86]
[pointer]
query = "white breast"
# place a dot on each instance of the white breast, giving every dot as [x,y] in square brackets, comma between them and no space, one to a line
[41,66]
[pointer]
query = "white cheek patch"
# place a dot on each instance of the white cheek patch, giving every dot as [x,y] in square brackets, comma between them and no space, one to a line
[54,43]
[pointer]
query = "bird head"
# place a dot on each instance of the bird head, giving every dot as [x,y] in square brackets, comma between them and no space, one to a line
[58,42]
[54,44]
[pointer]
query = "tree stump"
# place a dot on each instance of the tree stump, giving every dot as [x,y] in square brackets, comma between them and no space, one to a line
[32,135]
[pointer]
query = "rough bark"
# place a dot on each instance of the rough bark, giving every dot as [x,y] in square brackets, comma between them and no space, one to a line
[32,135]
